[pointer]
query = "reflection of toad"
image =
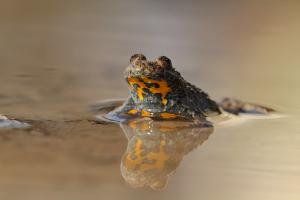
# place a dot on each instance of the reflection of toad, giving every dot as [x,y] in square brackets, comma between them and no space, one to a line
[156,148]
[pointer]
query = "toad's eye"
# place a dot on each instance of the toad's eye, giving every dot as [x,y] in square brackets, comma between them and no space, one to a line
[164,62]
[137,57]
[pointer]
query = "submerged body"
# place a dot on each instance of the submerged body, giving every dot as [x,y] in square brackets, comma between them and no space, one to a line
[158,91]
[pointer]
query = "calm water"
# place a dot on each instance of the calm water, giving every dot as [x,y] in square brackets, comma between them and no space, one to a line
[58,57]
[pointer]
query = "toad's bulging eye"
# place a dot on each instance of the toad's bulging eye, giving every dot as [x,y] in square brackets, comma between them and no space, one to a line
[164,62]
[137,57]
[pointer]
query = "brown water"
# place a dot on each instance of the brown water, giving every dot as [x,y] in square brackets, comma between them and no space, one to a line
[58,57]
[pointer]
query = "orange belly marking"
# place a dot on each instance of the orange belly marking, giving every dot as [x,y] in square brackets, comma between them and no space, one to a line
[163,88]
[133,112]
[146,114]
[168,115]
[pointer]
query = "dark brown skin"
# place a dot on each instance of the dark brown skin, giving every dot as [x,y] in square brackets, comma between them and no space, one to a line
[158,91]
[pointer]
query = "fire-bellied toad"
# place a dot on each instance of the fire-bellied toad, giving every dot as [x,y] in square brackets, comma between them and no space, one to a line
[158,91]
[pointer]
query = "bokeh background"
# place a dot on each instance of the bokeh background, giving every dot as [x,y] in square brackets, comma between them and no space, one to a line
[59,56]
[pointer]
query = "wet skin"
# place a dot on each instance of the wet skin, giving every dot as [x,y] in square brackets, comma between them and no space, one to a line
[158,91]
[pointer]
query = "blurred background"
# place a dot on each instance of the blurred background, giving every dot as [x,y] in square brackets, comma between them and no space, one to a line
[58,57]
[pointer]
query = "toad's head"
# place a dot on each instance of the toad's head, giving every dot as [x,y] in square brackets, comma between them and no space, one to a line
[151,81]
[140,67]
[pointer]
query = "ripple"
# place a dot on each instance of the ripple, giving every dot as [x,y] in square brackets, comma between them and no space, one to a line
[11,123]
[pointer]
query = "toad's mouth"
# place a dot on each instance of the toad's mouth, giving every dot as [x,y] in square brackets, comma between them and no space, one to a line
[136,71]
